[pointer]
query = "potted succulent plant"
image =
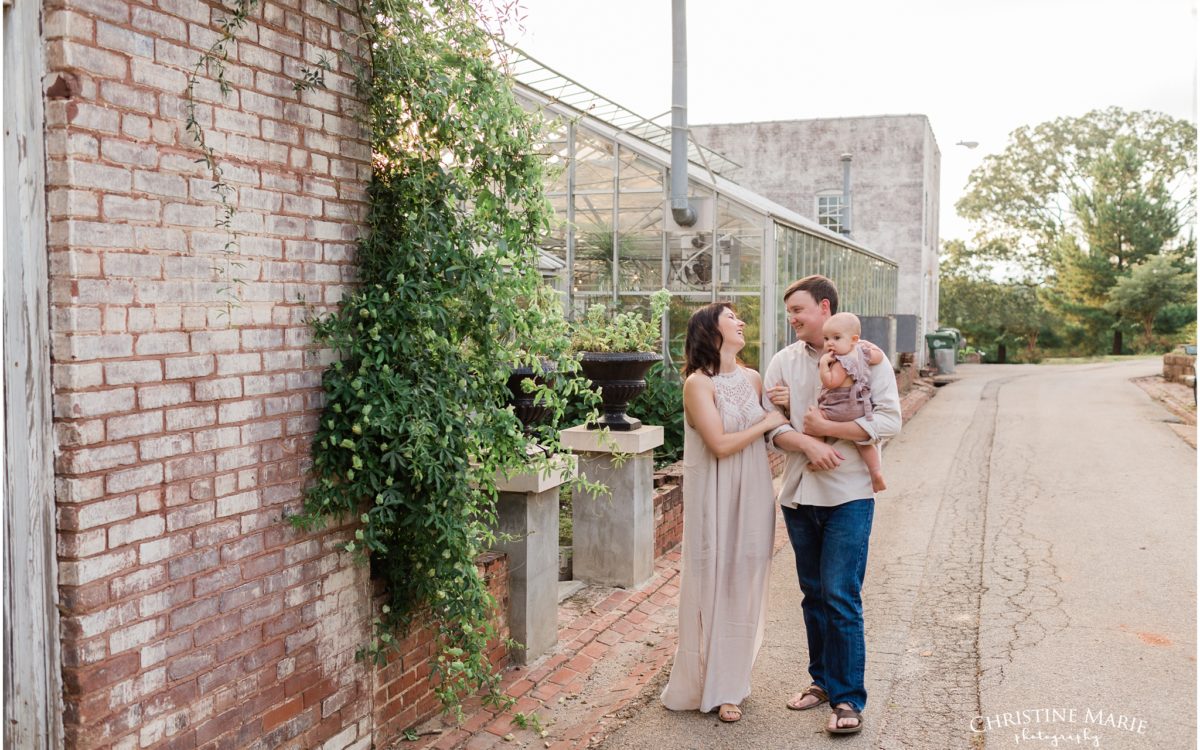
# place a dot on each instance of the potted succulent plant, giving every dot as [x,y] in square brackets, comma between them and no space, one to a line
[615,352]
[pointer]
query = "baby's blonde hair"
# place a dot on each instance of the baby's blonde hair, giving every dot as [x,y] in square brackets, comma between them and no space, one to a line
[844,321]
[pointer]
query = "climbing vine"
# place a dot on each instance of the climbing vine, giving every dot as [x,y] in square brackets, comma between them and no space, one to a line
[416,428]
[417,425]
[212,64]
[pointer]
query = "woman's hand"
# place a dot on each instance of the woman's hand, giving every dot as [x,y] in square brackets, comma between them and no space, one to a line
[773,420]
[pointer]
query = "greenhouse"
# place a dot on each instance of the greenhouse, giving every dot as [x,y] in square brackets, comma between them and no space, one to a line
[615,242]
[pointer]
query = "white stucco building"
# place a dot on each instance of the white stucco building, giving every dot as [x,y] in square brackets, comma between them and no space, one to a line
[895,175]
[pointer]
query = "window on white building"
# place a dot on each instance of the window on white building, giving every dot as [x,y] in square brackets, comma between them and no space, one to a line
[829,212]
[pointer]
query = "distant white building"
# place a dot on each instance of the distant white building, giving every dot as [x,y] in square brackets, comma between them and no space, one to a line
[895,177]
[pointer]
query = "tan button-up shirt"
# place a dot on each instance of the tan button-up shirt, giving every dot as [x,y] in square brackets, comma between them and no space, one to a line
[796,365]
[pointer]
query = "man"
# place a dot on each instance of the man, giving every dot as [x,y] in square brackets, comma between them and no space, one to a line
[828,503]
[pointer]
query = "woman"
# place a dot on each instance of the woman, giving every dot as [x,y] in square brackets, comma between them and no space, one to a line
[728,519]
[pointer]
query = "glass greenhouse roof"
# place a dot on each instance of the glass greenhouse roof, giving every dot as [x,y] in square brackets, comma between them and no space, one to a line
[537,80]
[614,241]
[554,85]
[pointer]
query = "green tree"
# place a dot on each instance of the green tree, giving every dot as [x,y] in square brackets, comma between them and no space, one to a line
[1149,288]
[1124,219]
[1026,198]
[1123,222]
[1078,292]
[1070,205]
[991,314]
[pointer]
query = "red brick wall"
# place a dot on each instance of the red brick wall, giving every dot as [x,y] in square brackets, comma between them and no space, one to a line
[403,694]
[777,459]
[668,508]
[668,502]
[192,614]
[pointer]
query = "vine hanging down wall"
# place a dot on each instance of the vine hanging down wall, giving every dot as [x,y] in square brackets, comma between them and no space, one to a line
[417,426]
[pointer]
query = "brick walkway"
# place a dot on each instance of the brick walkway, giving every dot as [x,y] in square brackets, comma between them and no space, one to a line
[588,636]
[611,644]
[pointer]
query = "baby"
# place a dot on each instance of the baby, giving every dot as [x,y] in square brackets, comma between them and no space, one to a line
[846,380]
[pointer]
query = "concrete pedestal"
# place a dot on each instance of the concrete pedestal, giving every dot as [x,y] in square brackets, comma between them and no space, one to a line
[527,511]
[613,538]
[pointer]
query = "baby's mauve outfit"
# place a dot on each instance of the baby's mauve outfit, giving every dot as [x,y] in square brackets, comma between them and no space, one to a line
[850,402]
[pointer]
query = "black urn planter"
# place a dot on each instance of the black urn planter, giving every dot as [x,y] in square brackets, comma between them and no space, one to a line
[531,414]
[619,377]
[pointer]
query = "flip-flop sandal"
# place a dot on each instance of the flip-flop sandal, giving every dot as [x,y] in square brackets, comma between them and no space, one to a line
[733,712]
[846,713]
[813,690]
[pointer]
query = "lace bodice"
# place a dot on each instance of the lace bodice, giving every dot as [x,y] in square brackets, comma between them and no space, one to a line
[737,400]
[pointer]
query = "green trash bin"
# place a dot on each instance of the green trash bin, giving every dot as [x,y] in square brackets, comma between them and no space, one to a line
[943,346]
[959,341]
[942,340]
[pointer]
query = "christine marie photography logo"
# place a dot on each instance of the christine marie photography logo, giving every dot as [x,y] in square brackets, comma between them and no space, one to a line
[1059,727]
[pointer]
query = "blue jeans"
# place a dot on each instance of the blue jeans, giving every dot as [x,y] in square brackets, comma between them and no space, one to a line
[831,560]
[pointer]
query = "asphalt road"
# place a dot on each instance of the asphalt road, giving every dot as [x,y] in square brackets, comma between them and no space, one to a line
[1032,574]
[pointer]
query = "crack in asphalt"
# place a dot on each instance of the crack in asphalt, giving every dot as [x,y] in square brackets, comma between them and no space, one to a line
[972,596]
[1028,606]
[939,673]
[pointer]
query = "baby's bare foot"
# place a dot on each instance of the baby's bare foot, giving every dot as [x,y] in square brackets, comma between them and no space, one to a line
[877,482]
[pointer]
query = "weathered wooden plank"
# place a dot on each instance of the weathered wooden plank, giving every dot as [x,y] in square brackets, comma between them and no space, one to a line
[32,665]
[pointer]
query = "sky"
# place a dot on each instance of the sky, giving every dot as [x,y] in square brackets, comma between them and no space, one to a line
[978,69]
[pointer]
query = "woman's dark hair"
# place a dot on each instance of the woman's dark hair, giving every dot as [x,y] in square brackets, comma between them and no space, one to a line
[702,344]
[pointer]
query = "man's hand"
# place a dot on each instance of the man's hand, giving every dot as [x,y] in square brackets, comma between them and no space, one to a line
[823,457]
[781,396]
[815,423]
[820,455]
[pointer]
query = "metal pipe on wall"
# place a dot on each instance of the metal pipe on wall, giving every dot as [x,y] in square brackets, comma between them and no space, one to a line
[846,194]
[681,211]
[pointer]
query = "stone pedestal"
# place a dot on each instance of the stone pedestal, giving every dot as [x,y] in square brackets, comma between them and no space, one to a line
[613,538]
[527,513]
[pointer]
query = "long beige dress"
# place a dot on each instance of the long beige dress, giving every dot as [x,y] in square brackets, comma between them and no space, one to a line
[728,533]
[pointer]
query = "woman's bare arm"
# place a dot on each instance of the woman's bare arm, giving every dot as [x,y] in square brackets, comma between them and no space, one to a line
[700,410]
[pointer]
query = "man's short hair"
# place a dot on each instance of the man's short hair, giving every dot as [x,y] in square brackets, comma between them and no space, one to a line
[819,287]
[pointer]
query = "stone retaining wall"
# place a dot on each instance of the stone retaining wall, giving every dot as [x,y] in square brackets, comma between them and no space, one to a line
[1177,367]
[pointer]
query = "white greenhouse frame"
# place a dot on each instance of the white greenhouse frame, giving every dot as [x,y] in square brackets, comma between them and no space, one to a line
[791,245]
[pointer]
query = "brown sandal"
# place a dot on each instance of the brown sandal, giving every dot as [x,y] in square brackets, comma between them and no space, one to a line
[845,713]
[813,690]
[729,713]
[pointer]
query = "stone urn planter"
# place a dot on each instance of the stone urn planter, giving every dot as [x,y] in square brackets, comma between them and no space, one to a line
[619,377]
[531,414]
